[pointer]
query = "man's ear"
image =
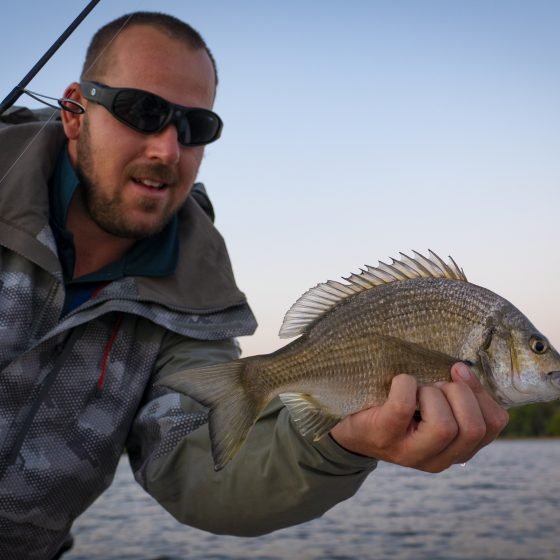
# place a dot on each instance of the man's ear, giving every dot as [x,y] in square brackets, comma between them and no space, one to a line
[71,119]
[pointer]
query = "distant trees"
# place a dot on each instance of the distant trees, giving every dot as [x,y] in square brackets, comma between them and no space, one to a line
[534,420]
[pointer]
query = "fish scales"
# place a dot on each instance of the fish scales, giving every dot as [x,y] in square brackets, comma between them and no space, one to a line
[418,311]
[342,358]
[418,316]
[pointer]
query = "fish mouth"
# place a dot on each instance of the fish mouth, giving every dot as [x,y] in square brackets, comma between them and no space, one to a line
[554,377]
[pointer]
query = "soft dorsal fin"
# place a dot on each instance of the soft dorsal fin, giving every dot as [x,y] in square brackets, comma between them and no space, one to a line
[323,297]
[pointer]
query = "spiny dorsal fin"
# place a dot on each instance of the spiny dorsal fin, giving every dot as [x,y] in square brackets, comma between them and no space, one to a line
[323,297]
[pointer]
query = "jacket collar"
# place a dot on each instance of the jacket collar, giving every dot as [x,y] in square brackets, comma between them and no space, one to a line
[203,279]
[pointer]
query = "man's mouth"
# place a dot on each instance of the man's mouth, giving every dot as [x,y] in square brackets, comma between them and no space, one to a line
[149,183]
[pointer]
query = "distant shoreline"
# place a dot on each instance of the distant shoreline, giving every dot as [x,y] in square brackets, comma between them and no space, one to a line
[537,420]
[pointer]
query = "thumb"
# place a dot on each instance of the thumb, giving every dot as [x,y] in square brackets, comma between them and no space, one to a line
[461,373]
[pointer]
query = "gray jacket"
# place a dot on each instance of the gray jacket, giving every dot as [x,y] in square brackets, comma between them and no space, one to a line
[76,391]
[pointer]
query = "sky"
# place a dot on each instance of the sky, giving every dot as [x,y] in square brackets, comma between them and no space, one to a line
[356,130]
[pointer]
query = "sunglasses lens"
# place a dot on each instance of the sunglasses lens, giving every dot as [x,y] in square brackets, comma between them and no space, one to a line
[149,113]
[203,127]
[143,111]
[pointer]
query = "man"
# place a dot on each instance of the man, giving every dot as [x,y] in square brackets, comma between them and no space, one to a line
[113,277]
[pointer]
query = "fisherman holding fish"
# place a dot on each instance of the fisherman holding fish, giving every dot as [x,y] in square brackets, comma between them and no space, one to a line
[119,315]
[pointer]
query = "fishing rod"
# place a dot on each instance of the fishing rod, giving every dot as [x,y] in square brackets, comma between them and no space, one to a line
[15,94]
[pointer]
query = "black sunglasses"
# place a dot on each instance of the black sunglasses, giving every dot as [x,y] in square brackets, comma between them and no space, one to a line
[148,113]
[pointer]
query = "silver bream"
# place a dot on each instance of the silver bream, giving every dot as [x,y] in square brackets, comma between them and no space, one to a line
[417,315]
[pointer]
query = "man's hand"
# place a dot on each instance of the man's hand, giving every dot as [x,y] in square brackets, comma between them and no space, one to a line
[457,420]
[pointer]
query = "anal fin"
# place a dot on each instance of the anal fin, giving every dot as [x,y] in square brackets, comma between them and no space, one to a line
[309,415]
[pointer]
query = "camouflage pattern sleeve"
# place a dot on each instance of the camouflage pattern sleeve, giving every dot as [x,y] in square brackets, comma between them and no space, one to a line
[276,480]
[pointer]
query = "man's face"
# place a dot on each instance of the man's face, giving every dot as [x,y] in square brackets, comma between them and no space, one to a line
[134,183]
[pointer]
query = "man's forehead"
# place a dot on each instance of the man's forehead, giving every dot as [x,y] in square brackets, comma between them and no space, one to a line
[142,38]
[140,48]
[144,57]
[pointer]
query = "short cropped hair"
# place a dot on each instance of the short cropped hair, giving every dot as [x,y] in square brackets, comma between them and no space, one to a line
[94,64]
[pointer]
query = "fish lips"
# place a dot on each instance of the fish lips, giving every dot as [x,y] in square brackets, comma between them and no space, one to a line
[554,377]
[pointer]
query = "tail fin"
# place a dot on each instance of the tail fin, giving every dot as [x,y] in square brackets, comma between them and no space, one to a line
[233,410]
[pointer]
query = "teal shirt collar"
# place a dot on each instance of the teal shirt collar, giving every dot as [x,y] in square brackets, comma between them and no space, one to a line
[154,256]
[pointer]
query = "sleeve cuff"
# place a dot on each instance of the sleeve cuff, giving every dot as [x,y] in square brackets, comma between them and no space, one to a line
[337,455]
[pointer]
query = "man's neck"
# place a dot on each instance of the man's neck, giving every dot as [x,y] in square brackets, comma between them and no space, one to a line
[94,247]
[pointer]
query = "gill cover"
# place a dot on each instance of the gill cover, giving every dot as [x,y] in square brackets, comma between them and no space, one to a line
[497,361]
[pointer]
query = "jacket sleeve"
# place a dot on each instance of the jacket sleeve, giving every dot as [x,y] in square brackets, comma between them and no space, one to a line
[277,478]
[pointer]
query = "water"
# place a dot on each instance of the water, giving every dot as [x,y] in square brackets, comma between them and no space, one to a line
[504,504]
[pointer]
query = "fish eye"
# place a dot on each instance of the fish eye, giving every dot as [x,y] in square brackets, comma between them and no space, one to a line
[538,344]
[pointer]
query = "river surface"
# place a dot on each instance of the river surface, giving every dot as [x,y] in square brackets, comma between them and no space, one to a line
[504,504]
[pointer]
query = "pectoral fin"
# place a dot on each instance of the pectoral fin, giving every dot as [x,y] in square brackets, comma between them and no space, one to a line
[408,357]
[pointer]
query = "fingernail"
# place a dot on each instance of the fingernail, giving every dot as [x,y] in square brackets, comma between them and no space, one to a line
[463,371]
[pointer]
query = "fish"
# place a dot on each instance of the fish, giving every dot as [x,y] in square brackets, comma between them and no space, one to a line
[417,315]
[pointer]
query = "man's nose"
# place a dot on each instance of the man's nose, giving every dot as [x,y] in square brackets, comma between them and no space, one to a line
[164,145]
